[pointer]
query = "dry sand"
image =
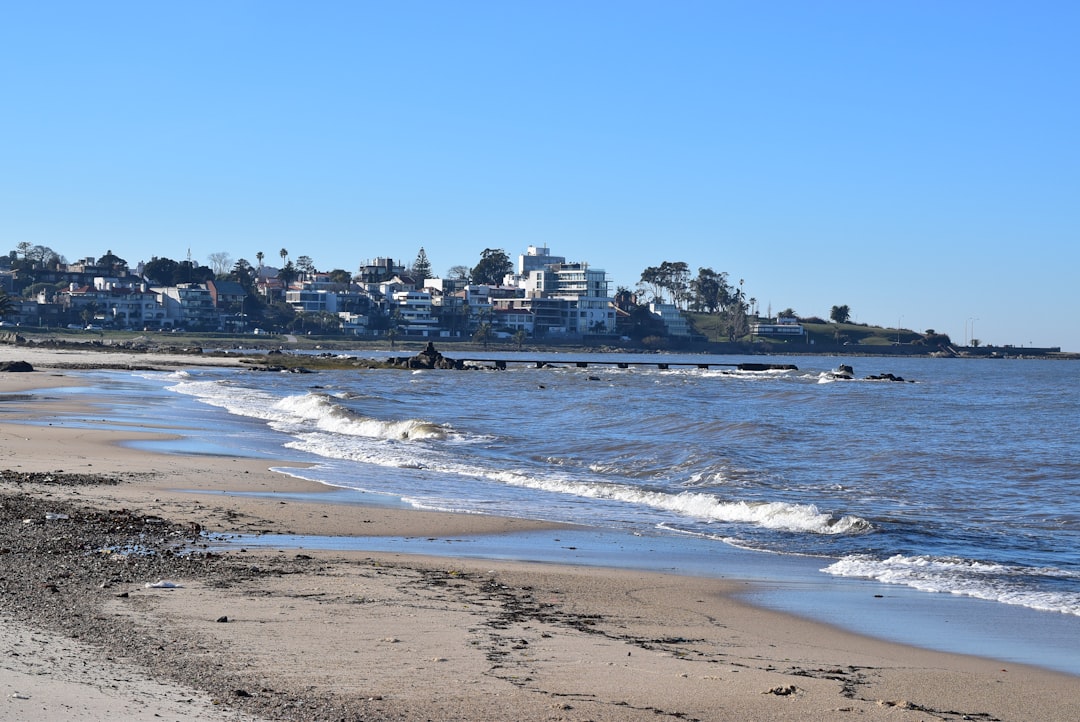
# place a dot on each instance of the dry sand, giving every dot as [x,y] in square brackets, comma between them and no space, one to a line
[339,635]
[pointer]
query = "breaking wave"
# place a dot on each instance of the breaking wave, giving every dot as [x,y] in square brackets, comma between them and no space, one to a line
[1009,584]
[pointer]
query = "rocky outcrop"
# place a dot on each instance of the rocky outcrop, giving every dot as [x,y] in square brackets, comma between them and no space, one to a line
[429,358]
[887,377]
[19,366]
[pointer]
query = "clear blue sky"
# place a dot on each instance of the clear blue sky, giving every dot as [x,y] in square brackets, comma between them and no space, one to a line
[916,161]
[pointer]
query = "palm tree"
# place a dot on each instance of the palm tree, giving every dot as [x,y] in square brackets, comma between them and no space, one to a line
[259,257]
[483,334]
[284,254]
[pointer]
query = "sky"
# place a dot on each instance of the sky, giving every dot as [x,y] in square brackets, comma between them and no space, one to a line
[916,161]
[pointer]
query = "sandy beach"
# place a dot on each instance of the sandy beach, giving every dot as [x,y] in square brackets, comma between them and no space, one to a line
[248,634]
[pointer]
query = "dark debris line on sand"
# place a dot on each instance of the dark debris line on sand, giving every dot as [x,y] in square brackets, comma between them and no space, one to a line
[59,562]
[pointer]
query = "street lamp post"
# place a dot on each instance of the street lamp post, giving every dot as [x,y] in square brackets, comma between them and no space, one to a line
[898,322]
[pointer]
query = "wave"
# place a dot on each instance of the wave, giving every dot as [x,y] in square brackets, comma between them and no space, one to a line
[1009,584]
[318,410]
[335,418]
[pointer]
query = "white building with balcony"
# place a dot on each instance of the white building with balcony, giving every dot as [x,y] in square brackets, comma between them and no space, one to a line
[415,313]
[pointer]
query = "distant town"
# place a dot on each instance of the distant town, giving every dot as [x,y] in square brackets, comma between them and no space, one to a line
[541,298]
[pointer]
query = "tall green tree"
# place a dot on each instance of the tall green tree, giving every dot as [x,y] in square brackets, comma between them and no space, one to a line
[493,266]
[670,276]
[709,292]
[421,267]
[288,274]
[305,266]
[243,273]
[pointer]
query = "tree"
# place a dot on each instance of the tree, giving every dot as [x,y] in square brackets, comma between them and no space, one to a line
[6,304]
[188,272]
[160,271]
[421,267]
[341,277]
[306,266]
[652,278]
[458,273]
[167,272]
[219,262]
[642,323]
[112,261]
[672,276]
[677,276]
[519,338]
[327,321]
[259,256]
[737,308]
[840,314]
[287,274]
[278,315]
[41,256]
[710,291]
[89,313]
[493,266]
[284,253]
[243,273]
[483,334]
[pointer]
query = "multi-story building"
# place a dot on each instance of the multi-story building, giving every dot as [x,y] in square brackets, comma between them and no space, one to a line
[311,300]
[188,305]
[112,302]
[536,258]
[415,313]
[561,297]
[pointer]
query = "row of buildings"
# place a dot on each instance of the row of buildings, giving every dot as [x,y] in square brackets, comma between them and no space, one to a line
[545,296]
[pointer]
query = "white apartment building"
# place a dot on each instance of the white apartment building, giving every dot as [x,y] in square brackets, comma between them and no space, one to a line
[585,291]
[415,313]
[312,300]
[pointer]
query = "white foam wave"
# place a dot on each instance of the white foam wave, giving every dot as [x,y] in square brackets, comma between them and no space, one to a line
[805,518]
[329,416]
[966,577]
[293,414]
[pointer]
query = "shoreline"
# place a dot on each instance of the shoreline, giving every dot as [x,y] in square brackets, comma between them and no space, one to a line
[532,637]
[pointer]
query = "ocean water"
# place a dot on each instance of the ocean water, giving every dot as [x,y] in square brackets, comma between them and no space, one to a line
[964,480]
